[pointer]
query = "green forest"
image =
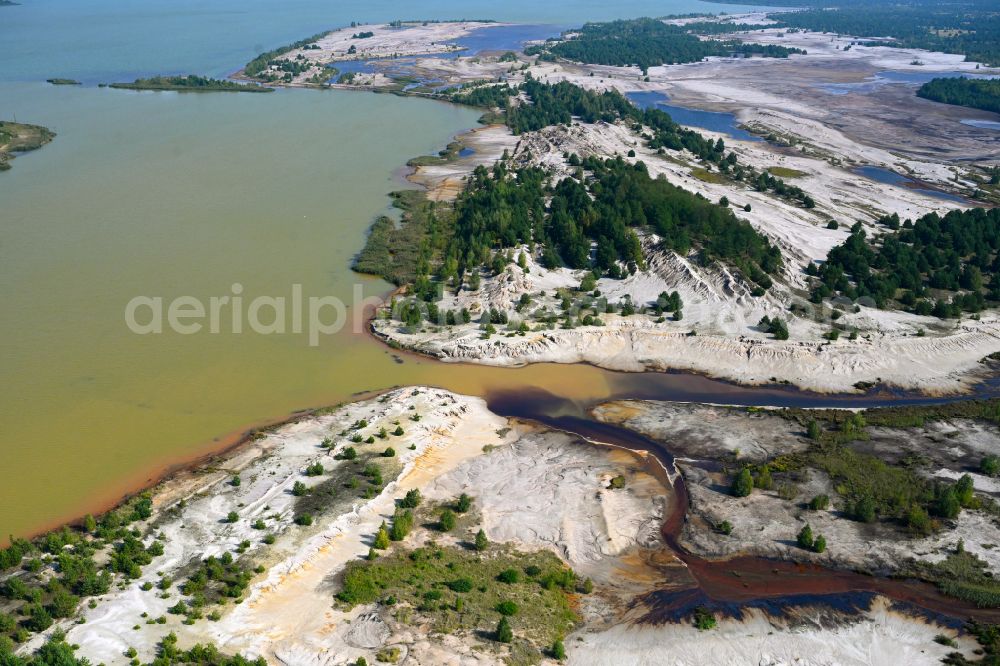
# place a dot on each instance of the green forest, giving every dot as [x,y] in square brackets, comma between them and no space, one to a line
[646,43]
[962,91]
[940,266]
[503,209]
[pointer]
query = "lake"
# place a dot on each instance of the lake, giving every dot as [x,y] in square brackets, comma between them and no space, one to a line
[165,194]
[889,177]
[714,121]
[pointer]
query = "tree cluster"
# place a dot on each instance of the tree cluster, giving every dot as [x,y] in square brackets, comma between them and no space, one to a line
[962,91]
[940,266]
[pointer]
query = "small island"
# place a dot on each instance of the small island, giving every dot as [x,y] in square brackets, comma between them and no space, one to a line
[20,138]
[190,83]
[63,82]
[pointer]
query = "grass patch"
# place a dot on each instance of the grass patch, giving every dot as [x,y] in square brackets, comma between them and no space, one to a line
[707,176]
[457,590]
[394,251]
[785,172]
[445,156]
[961,575]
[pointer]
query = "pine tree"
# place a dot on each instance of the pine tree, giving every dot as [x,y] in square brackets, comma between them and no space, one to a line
[764,481]
[504,633]
[805,537]
[743,483]
[382,538]
[481,541]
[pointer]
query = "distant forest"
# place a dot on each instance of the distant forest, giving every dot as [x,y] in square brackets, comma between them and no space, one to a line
[967,27]
[190,83]
[646,43]
[962,91]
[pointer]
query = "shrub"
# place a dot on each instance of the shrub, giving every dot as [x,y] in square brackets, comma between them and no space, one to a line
[316,469]
[509,576]
[300,489]
[398,432]
[381,538]
[764,481]
[232,517]
[725,527]
[348,453]
[507,608]
[743,483]
[558,650]
[990,465]
[388,655]
[820,503]
[703,619]
[447,522]
[463,504]
[460,585]
[411,500]
[236,481]
[819,545]
[617,483]
[304,519]
[402,523]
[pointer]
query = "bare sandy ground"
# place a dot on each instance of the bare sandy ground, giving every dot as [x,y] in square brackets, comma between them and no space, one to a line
[880,636]
[533,489]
